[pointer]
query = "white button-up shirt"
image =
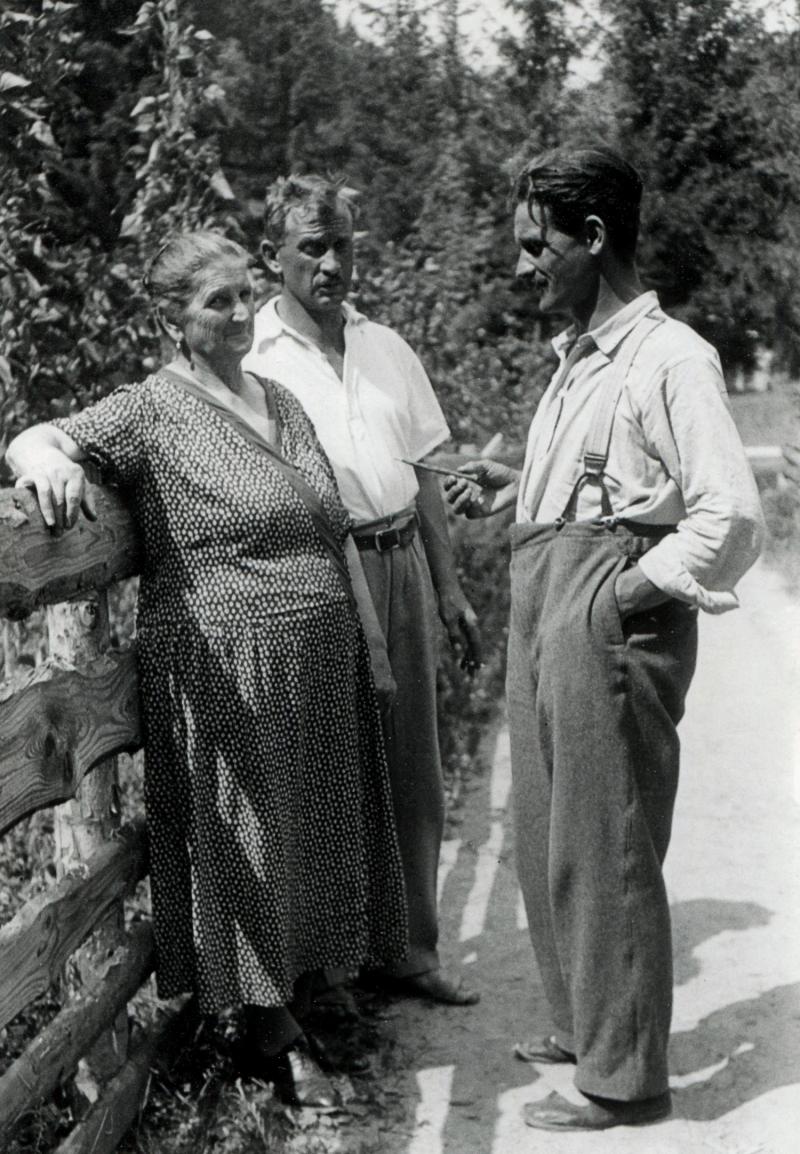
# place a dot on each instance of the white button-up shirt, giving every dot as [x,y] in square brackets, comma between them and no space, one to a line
[382,409]
[675,455]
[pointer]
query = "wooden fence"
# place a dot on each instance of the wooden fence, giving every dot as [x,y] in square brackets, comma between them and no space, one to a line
[70,715]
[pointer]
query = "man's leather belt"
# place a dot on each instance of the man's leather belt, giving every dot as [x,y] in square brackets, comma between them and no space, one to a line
[391,536]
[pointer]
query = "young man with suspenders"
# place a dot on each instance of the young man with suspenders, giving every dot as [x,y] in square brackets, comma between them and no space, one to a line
[635,508]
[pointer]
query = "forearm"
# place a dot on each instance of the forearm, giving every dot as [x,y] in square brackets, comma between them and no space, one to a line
[688,426]
[435,533]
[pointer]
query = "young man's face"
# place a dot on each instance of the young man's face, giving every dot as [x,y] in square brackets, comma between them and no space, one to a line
[316,258]
[559,266]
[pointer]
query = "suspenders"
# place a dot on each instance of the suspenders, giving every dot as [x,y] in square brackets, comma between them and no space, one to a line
[598,441]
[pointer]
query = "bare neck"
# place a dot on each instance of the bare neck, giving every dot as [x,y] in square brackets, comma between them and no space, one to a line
[216,377]
[616,287]
[325,329]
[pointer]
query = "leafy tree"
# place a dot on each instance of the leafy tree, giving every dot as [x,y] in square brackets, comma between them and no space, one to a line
[704,114]
[447,288]
[536,68]
[106,129]
[283,66]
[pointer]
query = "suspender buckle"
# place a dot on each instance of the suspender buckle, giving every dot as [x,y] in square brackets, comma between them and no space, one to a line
[594,463]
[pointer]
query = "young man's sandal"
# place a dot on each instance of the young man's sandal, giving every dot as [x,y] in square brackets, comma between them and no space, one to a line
[545,1050]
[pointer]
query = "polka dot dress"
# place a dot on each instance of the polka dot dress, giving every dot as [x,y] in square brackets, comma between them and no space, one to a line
[273,850]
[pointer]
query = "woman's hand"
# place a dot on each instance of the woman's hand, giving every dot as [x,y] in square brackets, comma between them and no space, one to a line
[46,459]
[481,488]
[61,489]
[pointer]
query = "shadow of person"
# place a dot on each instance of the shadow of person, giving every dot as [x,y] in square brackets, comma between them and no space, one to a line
[737,1054]
[694,922]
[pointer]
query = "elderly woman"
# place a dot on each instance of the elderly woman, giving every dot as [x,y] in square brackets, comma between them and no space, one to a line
[273,850]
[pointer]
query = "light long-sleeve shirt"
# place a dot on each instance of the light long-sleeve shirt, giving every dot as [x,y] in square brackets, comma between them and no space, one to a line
[675,456]
[383,409]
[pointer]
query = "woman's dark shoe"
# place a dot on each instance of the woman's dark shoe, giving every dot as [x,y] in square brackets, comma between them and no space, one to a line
[299,1081]
[294,1072]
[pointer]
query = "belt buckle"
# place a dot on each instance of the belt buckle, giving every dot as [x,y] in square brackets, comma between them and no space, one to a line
[391,535]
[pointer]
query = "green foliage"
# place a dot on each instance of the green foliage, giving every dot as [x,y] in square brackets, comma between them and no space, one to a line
[707,105]
[106,126]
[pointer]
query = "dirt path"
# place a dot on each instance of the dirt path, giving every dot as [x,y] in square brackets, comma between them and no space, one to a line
[452,1082]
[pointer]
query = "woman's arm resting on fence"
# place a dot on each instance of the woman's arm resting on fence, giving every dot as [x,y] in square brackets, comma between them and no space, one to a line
[46,459]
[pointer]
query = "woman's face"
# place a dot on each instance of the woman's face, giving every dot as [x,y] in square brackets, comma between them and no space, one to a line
[218,320]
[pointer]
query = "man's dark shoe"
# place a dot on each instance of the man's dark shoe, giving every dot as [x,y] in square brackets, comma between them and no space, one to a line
[556,1113]
[543,1050]
[431,986]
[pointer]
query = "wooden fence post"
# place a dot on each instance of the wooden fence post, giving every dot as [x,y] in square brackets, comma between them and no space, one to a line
[10,648]
[78,634]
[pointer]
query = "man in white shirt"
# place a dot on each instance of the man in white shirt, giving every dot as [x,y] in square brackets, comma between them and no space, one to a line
[374,411]
[635,508]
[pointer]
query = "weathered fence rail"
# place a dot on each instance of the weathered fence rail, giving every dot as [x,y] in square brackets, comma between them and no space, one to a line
[61,725]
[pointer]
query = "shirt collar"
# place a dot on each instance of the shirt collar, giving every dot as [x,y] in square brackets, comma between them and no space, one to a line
[607,336]
[269,325]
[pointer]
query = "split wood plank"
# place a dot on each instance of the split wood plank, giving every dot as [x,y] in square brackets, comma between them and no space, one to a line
[106,1124]
[40,937]
[39,567]
[61,722]
[54,1053]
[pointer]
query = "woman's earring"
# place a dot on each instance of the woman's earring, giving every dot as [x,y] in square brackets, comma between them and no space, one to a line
[185,351]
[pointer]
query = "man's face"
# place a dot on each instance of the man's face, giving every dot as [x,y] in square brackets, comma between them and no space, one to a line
[558,266]
[316,258]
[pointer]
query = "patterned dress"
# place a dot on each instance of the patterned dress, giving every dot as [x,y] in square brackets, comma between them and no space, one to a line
[273,849]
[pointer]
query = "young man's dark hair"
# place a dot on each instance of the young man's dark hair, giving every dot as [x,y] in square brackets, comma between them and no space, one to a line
[576,182]
[296,191]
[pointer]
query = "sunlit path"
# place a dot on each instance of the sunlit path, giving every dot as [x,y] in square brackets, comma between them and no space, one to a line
[734,881]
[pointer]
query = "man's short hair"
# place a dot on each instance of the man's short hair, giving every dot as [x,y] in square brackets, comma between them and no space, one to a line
[576,182]
[327,197]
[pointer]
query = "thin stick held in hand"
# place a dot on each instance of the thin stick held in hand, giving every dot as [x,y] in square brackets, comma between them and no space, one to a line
[439,470]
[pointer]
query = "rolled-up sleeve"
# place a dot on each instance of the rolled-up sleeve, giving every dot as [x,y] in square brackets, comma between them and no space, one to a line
[687,420]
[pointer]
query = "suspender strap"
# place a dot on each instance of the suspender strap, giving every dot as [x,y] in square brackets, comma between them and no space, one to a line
[598,442]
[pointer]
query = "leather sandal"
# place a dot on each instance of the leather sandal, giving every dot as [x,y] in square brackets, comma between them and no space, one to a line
[545,1050]
[556,1113]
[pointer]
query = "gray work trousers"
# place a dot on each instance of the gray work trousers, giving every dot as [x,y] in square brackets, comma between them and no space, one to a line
[401,588]
[594,702]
